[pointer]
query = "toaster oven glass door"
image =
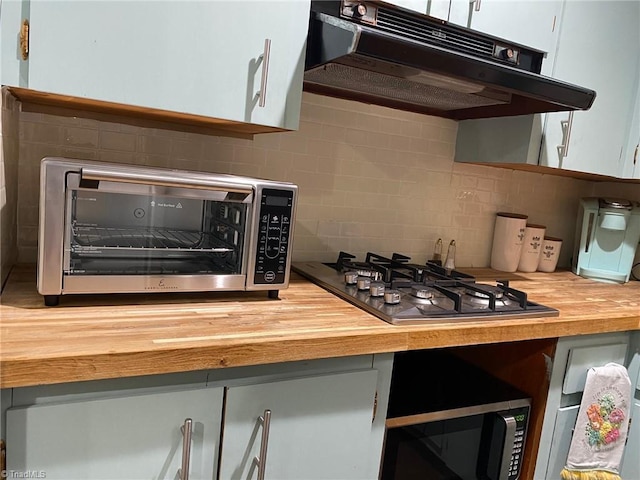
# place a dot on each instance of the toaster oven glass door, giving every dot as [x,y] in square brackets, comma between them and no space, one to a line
[129,229]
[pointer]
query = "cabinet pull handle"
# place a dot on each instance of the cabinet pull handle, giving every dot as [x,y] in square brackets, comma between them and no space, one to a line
[635,154]
[265,72]
[24,39]
[186,430]
[476,5]
[566,125]
[261,461]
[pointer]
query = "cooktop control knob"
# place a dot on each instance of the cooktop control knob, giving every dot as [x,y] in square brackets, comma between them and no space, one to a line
[351,278]
[364,283]
[376,289]
[392,297]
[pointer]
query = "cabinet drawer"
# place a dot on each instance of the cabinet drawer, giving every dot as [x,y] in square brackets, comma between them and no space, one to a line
[583,358]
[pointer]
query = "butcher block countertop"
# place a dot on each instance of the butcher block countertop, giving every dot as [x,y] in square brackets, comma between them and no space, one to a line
[92,337]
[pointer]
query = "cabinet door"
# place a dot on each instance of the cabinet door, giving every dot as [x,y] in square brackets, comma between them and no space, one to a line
[196,57]
[599,48]
[630,164]
[134,437]
[562,433]
[631,460]
[320,428]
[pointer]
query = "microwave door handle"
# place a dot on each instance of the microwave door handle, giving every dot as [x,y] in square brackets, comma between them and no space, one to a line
[509,441]
[124,176]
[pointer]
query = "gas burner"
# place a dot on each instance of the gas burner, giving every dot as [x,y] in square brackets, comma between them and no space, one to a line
[485,292]
[401,292]
[424,293]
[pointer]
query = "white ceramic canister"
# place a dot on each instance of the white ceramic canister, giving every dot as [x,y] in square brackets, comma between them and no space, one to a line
[508,236]
[549,254]
[533,237]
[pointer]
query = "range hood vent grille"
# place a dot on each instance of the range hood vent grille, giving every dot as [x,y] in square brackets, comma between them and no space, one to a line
[395,22]
[349,78]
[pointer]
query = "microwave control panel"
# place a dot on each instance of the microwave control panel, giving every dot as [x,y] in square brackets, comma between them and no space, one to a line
[276,208]
[515,463]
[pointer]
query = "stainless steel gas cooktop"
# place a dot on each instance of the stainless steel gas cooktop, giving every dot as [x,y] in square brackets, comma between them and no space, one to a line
[401,292]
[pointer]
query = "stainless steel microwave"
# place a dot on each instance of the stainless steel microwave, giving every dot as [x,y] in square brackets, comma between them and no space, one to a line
[448,419]
[111,228]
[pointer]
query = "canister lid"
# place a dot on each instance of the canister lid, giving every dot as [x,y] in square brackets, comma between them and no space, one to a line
[512,215]
[553,239]
[532,225]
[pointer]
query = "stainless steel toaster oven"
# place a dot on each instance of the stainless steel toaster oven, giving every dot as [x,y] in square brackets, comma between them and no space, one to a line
[110,228]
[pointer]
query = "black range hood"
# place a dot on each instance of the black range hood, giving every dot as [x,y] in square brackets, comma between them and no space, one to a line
[379,53]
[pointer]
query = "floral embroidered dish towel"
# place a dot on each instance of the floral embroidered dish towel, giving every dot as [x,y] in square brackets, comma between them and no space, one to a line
[600,433]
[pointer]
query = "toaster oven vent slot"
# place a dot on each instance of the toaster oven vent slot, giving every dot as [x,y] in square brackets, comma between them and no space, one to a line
[440,35]
[89,240]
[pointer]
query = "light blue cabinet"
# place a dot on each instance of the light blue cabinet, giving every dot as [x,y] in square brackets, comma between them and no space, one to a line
[605,59]
[132,436]
[630,162]
[234,61]
[327,421]
[573,357]
[631,460]
[318,428]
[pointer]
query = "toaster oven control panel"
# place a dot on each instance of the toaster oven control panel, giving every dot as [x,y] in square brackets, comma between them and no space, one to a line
[276,207]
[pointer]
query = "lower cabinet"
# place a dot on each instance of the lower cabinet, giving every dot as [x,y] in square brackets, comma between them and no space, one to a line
[563,431]
[573,358]
[308,428]
[304,420]
[139,436]
[631,460]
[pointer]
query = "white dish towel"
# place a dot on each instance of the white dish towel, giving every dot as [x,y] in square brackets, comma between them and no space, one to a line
[600,433]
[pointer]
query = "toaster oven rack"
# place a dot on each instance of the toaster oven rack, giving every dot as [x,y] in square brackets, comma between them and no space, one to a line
[195,265]
[91,240]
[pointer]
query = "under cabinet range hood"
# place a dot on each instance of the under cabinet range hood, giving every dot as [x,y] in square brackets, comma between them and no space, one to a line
[379,53]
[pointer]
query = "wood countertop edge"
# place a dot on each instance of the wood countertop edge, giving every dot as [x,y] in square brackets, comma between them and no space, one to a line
[72,368]
[21,372]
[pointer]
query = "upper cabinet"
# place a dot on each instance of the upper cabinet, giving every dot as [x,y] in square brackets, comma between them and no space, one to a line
[630,161]
[232,61]
[593,44]
[599,47]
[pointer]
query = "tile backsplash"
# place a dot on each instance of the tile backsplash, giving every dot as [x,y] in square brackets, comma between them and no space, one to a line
[370,178]
[9,145]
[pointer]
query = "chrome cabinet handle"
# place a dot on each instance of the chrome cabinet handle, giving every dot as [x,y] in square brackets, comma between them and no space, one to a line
[186,430]
[566,125]
[265,72]
[476,5]
[261,461]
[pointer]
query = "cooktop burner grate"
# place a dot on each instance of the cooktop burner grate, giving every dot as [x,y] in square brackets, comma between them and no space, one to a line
[402,292]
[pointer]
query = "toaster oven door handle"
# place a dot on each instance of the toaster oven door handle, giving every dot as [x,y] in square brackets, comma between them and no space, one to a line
[162,180]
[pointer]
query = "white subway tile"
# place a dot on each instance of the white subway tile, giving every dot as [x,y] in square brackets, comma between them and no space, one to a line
[123,142]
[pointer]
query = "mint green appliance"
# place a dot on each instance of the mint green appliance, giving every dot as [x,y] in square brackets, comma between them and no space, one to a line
[607,235]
